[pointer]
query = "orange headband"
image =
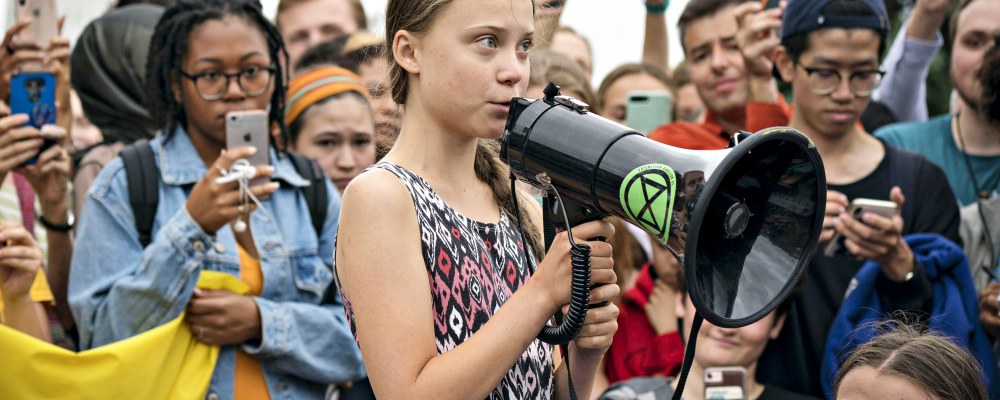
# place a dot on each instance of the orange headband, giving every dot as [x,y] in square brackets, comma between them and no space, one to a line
[317,84]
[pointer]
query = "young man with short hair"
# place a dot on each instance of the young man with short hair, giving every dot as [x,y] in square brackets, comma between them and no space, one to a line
[831,51]
[306,23]
[730,68]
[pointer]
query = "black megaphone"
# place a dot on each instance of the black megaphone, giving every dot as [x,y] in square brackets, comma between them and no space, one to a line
[752,213]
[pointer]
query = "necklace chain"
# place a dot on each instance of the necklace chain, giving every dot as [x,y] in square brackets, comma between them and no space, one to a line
[983,193]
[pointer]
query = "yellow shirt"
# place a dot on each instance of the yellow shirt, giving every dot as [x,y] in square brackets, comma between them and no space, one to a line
[39,292]
[249,382]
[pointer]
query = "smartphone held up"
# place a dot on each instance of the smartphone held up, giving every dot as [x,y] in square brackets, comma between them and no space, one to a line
[34,94]
[857,209]
[648,110]
[250,128]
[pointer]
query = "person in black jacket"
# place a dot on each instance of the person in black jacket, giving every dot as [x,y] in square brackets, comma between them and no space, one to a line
[831,51]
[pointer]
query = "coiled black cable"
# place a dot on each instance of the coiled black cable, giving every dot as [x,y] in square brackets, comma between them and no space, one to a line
[569,327]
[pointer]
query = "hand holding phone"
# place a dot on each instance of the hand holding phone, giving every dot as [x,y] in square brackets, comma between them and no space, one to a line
[836,247]
[759,36]
[250,128]
[34,94]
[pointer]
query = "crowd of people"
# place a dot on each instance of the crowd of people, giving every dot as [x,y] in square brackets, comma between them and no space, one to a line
[384,251]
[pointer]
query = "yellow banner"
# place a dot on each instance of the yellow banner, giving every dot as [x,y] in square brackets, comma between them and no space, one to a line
[166,362]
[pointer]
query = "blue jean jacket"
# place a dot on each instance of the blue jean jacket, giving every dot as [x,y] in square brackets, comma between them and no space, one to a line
[117,289]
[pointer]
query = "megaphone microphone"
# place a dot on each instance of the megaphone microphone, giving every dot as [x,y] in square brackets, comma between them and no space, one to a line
[752,213]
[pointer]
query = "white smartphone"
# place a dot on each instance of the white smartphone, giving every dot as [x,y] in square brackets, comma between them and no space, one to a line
[858,207]
[250,128]
[725,383]
[44,21]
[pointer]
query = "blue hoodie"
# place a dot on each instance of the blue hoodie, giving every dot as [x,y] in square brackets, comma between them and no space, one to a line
[955,311]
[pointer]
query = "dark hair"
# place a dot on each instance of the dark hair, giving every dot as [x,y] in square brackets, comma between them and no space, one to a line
[296,126]
[935,364]
[327,53]
[698,9]
[627,70]
[798,44]
[416,16]
[169,45]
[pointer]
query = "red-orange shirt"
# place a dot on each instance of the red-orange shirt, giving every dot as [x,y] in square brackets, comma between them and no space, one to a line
[710,135]
[637,350]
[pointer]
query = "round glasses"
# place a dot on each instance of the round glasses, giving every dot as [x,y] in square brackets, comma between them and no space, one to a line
[212,85]
[824,81]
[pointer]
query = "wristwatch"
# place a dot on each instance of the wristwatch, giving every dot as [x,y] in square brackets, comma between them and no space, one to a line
[906,278]
[68,226]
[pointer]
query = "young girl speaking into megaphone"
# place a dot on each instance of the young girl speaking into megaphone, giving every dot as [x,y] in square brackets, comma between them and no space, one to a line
[445,299]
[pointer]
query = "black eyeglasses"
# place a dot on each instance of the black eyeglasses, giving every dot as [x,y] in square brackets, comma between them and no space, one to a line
[824,81]
[212,85]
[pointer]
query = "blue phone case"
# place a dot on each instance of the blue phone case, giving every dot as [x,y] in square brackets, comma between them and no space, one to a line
[34,94]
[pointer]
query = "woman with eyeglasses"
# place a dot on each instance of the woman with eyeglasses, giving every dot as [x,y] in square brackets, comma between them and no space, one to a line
[288,337]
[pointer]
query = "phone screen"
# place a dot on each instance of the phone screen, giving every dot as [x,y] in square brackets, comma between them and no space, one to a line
[34,94]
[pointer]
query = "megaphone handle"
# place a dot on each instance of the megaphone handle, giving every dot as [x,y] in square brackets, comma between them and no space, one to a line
[592,287]
[567,328]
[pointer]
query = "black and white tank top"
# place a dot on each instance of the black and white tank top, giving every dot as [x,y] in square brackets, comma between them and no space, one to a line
[473,268]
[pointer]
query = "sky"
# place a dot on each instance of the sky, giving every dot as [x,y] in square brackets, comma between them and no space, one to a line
[614,27]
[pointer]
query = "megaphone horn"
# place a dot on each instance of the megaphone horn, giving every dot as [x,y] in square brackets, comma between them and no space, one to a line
[752,213]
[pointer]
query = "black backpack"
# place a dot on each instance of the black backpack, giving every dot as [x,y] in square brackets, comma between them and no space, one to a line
[144,194]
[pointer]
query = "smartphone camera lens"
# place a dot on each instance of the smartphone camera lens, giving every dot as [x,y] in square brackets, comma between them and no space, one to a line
[857,213]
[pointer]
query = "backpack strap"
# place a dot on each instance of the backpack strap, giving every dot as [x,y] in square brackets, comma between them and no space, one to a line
[143,186]
[903,170]
[316,196]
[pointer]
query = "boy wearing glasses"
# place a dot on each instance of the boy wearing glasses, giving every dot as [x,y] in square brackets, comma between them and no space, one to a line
[831,51]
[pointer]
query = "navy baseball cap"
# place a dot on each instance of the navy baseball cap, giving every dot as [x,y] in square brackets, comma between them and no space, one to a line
[804,16]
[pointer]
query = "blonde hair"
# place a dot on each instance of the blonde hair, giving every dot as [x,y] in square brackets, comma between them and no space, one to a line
[932,362]
[552,66]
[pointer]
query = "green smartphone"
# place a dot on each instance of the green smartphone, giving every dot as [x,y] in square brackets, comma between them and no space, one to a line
[647,110]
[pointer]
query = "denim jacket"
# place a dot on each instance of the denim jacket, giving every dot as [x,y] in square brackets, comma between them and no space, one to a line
[117,289]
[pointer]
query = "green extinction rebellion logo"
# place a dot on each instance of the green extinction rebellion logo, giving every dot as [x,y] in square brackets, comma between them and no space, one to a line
[647,195]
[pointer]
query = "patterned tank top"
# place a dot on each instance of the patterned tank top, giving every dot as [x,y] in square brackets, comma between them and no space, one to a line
[473,268]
